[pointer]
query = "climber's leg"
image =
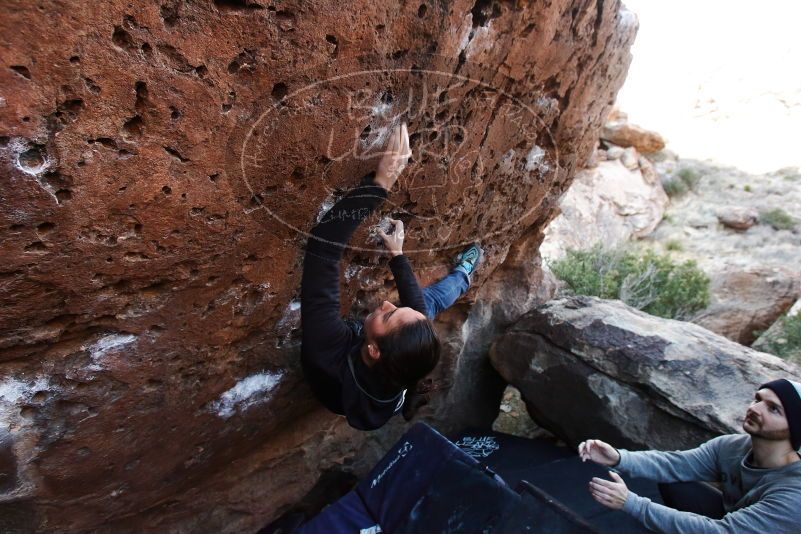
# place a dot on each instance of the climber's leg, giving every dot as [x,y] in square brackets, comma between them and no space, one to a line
[442,294]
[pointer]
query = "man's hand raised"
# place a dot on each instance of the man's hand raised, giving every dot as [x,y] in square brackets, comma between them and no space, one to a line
[395,156]
[599,452]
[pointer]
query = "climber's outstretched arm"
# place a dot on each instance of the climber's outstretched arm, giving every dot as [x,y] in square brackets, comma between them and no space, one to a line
[323,327]
[409,291]
[321,319]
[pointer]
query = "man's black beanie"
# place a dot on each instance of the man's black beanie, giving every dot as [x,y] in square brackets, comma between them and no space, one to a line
[790,395]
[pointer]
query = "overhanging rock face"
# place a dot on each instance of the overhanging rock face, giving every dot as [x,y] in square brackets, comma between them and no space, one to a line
[161,165]
[594,368]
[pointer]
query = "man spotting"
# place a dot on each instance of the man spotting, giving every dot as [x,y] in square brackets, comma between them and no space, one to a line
[362,369]
[760,474]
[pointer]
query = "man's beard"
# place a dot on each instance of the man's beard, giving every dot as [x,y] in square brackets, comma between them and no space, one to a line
[767,435]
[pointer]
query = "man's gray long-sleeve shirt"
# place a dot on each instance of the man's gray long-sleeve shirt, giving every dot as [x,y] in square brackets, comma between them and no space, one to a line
[756,500]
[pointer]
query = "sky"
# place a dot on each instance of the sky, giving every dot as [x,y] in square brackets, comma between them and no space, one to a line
[720,80]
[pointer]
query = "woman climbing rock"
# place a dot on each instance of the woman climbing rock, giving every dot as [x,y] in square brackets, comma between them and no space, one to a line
[363,369]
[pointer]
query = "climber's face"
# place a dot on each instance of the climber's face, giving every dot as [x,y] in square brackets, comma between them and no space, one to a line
[386,318]
[765,417]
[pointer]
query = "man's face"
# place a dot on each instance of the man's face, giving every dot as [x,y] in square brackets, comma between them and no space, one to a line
[765,417]
[387,317]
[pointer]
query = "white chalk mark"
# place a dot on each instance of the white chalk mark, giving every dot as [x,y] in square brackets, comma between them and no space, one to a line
[288,323]
[328,203]
[248,392]
[289,317]
[381,108]
[104,345]
[15,391]
[535,160]
[28,167]
[351,271]
[107,343]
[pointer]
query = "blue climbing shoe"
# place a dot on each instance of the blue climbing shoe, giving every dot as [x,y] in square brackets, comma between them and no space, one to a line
[468,260]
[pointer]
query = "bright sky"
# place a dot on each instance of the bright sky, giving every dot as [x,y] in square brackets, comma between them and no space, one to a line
[720,80]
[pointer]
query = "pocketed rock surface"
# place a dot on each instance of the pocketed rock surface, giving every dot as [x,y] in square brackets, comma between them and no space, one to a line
[162,163]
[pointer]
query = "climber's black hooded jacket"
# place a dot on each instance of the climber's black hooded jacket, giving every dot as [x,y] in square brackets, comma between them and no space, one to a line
[331,347]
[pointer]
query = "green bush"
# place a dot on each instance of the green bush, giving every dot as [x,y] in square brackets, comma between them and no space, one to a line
[674,187]
[786,342]
[684,180]
[689,177]
[674,245]
[647,281]
[591,272]
[778,219]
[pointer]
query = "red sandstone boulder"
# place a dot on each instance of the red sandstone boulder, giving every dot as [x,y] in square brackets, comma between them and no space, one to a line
[621,133]
[745,302]
[738,217]
[162,163]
